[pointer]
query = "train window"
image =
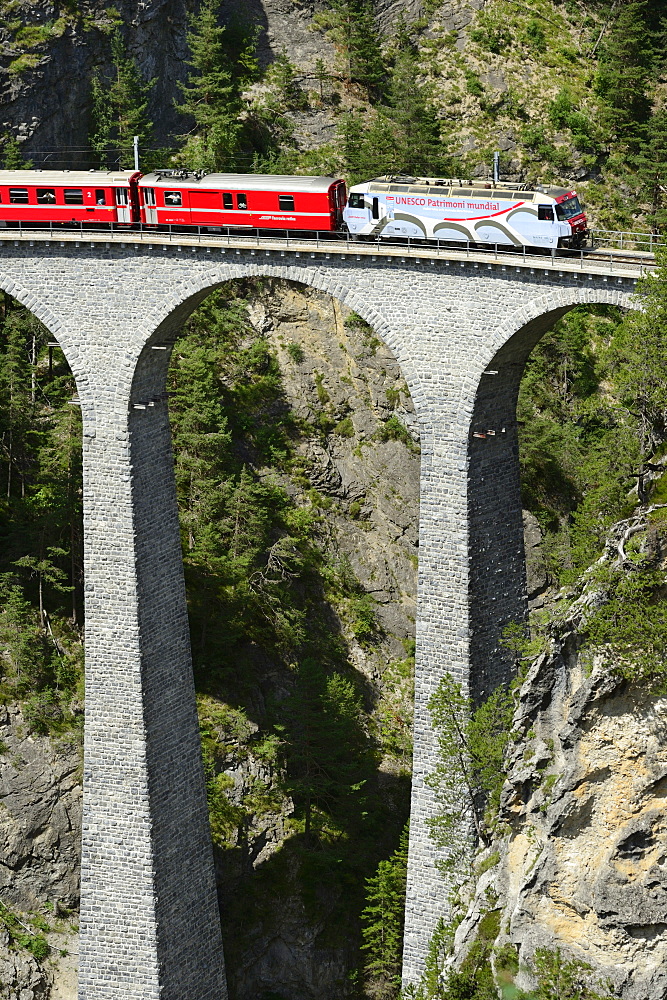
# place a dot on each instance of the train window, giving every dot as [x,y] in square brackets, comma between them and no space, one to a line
[545,213]
[227,200]
[121,196]
[45,196]
[173,198]
[73,196]
[18,196]
[418,189]
[356,200]
[568,209]
[241,201]
[463,192]
[149,197]
[286,202]
[376,208]
[100,196]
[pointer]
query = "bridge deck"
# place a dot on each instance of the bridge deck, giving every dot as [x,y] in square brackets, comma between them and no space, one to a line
[609,263]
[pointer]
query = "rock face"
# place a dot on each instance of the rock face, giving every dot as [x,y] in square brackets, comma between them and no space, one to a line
[21,977]
[584,867]
[40,838]
[348,377]
[47,105]
[40,817]
[582,842]
[537,579]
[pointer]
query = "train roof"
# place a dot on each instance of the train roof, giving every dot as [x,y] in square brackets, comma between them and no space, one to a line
[460,187]
[61,177]
[242,182]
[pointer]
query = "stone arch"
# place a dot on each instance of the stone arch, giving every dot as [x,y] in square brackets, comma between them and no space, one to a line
[149,381]
[496,549]
[73,356]
[164,321]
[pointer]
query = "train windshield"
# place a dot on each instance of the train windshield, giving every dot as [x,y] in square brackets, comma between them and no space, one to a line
[568,209]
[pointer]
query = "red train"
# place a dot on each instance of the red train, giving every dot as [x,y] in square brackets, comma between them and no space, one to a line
[171,198]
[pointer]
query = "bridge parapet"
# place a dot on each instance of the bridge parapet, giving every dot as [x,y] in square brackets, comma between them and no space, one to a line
[611,262]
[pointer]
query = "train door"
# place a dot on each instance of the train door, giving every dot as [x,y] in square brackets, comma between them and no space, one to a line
[150,206]
[123,208]
[337,195]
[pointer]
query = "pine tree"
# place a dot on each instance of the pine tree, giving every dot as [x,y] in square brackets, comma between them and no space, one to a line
[382,922]
[353,30]
[211,97]
[365,54]
[640,365]
[321,75]
[650,167]
[119,110]
[329,756]
[624,73]
[12,154]
[469,773]
[413,112]
[369,149]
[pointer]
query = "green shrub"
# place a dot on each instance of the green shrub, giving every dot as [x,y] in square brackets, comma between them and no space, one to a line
[42,712]
[295,352]
[345,428]
[393,430]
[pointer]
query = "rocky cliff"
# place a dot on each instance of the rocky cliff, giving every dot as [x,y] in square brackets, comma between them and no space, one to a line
[40,833]
[49,52]
[578,861]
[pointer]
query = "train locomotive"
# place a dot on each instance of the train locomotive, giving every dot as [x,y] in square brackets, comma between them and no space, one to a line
[431,208]
[424,209]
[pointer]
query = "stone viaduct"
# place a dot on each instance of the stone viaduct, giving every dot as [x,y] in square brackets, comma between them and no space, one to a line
[461,328]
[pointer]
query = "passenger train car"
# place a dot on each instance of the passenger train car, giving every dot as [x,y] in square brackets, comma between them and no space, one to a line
[421,208]
[241,201]
[481,212]
[66,196]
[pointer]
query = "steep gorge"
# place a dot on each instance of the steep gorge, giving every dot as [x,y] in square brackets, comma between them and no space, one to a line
[580,855]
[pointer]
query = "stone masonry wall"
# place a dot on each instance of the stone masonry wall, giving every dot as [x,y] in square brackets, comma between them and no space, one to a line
[108,307]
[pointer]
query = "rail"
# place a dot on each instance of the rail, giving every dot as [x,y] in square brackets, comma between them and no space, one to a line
[642,242]
[593,259]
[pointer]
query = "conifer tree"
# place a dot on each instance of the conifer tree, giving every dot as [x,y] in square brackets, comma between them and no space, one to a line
[119,110]
[352,28]
[382,922]
[650,167]
[12,154]
[211,97]
[413,112]
[640,365]
[624,72]
[329,756]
